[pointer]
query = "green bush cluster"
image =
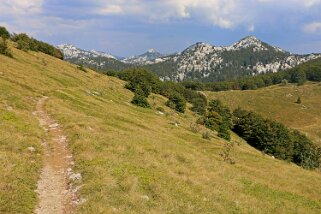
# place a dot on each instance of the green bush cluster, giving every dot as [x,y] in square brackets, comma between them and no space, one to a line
[218,118]
[147,82]
[177,102]
[4,49]
[268,136]
[140,100]
[4,33]
[25,43]
[275,139]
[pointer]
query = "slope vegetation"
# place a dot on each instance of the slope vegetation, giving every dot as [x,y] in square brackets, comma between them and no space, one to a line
[280,103]
[133,160]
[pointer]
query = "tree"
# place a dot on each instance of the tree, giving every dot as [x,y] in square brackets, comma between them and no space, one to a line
[275,139]
[199,106]
[213,120]
[4,33]
[298,76]
[23,41]
[177,102]
[4,49]
[140,100]
[305,154]
[224,132]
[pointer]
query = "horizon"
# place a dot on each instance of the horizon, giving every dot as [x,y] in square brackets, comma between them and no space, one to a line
[180,51]
[129,28]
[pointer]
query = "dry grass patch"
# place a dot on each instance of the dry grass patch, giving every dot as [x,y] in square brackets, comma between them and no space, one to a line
[136,160]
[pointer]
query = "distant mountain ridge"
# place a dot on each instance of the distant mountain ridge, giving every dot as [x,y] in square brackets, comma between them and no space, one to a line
[202,61]
[144,59]
[94,59]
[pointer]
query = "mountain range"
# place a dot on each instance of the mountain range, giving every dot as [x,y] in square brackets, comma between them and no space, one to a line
[201,61]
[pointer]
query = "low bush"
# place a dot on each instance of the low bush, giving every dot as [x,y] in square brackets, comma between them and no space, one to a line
[4,49]
[275,139]
[140,100]
[206,135]
[176,102]
[25,43]
[4,33]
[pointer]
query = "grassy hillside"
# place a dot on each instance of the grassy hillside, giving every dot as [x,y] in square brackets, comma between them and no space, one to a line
[133,160]
[279,102]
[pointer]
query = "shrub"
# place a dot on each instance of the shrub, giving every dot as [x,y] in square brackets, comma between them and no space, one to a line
[206,135]
[224,132]
[298,76]
[25,43]
[4,33]
[199,105]
[298,101]
[306,154]
[4,49]
[213,120]
[275,139]
[176,102]
[284,82]
[194,127]
[218,118]
[140,100]
[112,73]
[223,111]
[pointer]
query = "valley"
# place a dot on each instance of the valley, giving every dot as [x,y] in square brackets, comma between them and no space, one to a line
[138,160]
[279,102]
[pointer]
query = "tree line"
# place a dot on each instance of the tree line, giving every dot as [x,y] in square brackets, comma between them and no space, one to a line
[26,43]
[268,136]
[276,139]
[143,82]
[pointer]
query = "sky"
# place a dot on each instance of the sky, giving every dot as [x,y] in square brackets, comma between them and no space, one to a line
[130,27]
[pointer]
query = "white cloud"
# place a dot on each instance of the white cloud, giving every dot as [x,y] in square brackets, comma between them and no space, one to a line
[110,9]
[295,3]
[314,27]
[20,7]
[222,13]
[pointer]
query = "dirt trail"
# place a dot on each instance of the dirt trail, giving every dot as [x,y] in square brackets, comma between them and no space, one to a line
[54,188]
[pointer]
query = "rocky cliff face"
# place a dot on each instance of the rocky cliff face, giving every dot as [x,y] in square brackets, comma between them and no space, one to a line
[201,61]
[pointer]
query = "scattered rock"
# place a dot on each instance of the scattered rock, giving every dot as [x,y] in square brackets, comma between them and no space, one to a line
[175,124]
[53,126]
[161,113]
[80,201]
[31,149]
[289,95]
[62,139]
[144,197]
[75,176]
[96,93]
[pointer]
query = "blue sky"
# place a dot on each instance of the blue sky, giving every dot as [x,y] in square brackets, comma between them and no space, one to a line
[130,27]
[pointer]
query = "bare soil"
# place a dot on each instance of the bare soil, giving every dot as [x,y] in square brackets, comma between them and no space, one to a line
[54,189]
